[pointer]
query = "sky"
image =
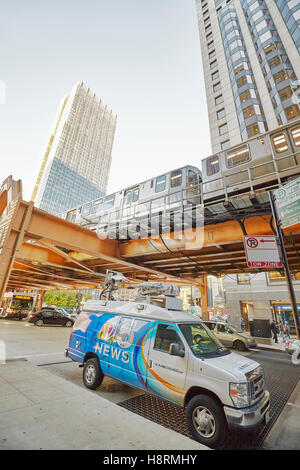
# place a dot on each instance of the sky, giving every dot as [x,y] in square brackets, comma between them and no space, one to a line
[142,58]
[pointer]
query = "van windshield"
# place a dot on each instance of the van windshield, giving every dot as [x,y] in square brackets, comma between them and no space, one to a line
[201,340]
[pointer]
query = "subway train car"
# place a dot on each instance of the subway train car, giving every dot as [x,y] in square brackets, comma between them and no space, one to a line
[173,192]
[243,173]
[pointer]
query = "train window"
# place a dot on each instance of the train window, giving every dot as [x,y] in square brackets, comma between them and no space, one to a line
[135,194]
[238,156]
[109,202]
[176,178]
[160,184]
[192,178]
[212,165]
[280,142]
[296,136]
[86,210]
[96,206]
[127,198]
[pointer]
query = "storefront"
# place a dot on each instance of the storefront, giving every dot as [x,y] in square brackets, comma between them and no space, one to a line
[282,312]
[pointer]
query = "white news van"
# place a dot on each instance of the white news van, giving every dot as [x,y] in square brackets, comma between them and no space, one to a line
[173,355]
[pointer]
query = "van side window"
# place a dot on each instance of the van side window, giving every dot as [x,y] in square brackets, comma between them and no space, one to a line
[212,165]
[165,336]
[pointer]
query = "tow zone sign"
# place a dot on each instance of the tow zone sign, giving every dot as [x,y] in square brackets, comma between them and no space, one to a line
[262,252]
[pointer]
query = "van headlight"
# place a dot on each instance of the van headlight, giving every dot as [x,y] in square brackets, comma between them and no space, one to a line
[239,393]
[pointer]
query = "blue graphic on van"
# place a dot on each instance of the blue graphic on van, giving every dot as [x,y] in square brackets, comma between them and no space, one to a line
[122,345]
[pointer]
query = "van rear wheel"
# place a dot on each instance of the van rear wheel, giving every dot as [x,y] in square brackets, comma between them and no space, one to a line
[206,421]
[92,374]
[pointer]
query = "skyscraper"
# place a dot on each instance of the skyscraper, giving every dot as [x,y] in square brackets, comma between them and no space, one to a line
[250,52]
[77,160]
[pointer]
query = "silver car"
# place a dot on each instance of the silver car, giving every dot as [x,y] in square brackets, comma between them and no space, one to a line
[230,337]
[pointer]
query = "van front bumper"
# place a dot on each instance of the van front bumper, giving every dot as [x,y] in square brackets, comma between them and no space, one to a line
[248,418]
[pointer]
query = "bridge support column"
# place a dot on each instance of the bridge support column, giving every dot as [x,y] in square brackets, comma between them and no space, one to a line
[12,230]
[204,298]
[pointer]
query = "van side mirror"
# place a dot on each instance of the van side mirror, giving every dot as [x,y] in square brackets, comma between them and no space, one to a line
[174,350]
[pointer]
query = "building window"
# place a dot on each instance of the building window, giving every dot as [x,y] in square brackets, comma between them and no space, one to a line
[241,81]
[292,111]
[210,45]
[225,144]
[238,69]
[221,113]
[212,165]
[176,179]
[274,62]
[219,99]
[245,96]
[213,64]
[285,93]
[238,156]
[211,54]
[223,129]
[217,87]
[243,278]
[249,112]
[252,130]
[270,48]
[280,76]
[280,142]
[215,75]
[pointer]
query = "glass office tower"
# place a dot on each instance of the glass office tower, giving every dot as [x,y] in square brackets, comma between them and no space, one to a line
[76,165]
[250,51]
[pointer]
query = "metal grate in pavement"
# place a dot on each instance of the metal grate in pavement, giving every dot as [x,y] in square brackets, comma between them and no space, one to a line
[281,377]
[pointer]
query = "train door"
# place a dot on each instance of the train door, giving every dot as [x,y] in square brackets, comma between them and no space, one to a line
[282,151]
[294,133]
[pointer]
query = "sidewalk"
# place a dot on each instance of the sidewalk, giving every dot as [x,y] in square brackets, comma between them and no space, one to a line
[41,411]
[279,347]
[285,434]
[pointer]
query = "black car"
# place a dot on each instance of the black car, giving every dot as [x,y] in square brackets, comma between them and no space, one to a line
[50,317]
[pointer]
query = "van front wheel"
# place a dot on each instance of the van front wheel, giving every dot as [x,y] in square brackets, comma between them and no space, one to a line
[206,421]
[92,374]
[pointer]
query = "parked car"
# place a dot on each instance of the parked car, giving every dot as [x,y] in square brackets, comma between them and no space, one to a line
[230,337]
[50,316]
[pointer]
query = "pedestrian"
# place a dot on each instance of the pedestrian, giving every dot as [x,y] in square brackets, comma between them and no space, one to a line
[242,324]
[287,330]
[275,330]
[281,331]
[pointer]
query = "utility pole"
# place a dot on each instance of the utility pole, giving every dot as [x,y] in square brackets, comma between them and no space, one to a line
[285,264]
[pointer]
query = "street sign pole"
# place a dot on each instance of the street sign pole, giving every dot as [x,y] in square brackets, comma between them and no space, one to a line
[285,264]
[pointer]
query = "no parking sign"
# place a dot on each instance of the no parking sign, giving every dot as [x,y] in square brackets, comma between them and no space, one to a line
[262,251]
